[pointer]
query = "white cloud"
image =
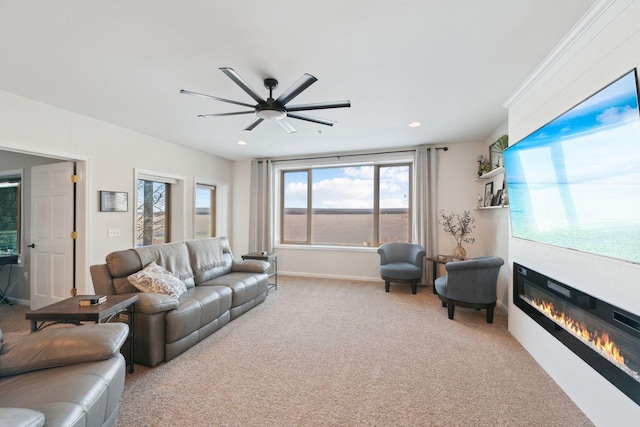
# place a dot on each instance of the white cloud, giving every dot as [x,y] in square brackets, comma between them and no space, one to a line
[615,115]
[343,193]
[362,172]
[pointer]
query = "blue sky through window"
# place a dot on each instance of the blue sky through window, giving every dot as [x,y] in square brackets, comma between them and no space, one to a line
[348,187]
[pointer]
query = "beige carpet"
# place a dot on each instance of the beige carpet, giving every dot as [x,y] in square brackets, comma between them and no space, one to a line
[324,352]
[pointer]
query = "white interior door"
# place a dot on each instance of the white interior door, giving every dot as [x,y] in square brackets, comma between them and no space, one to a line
[52,210]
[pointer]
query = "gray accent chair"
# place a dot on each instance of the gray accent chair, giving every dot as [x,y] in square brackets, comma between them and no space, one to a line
[401,263]
[470,283]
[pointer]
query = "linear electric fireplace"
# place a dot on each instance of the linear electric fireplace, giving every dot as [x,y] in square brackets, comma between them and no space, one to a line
[604,336]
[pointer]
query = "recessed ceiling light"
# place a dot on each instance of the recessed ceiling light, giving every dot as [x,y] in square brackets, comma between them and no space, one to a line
[241,143]
[414,124]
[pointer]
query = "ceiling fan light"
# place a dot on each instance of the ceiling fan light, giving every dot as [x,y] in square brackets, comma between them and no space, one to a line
[271,114]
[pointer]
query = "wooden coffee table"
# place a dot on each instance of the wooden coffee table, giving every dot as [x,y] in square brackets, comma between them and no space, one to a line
[69,311]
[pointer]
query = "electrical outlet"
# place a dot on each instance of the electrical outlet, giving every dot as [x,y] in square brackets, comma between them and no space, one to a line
[114,232]
[26,275]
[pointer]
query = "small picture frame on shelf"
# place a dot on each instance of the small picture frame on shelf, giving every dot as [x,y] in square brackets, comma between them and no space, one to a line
[497,198]
[488,193]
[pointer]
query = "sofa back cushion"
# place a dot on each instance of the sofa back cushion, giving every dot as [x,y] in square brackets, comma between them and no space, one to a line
[210,258]
[174,257]
[121,264]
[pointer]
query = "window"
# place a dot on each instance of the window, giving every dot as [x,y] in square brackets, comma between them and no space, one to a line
[205,211]
[352,205]
[153,217]
[10,213]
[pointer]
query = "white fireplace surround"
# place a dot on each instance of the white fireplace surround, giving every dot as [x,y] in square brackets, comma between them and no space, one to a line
[600,48]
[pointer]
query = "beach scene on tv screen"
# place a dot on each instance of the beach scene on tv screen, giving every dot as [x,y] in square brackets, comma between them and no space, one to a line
[575,182]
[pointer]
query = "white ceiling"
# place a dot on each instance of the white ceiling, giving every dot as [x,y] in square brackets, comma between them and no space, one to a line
[448,64]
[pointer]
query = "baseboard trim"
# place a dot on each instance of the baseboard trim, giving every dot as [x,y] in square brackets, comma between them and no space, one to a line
[330,276]
[20,301]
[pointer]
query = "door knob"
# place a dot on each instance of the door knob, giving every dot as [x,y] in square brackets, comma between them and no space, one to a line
[33,245]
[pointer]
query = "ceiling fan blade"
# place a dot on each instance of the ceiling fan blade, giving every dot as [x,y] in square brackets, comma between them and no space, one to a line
[188,92]
[286,126]
[255,123]
[319,106]
[226,114]
[244,85]
[296,89]
[312,119]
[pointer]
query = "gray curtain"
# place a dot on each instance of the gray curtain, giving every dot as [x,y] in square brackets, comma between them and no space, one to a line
[425,222]
[261,206]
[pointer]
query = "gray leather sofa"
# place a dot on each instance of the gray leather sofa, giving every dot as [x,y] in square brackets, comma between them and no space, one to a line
[72,376]
[218,290]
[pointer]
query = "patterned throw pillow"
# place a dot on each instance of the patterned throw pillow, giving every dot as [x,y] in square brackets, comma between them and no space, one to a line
[154,278]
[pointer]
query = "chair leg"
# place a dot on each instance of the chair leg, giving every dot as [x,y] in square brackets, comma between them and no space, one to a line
[490,315]
[386,286]
[450,308]
[444,304]
[414,287]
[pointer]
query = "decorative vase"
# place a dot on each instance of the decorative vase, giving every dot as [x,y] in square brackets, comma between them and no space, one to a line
[459,252]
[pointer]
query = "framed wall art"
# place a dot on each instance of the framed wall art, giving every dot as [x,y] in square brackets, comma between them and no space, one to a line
[114,201]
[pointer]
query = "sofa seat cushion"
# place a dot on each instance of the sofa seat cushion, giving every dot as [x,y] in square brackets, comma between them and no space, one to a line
[198,307]
[21,417]
[400,271]
[245,286]
[86,394]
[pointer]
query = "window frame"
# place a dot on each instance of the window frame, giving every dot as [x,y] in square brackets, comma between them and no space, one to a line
[172,183]
[280,172]
[7,177]
[213,205]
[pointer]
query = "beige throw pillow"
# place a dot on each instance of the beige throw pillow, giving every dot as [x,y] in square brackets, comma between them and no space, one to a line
[154,278]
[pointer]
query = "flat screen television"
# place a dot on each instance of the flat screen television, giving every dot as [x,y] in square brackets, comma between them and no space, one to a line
[575,182]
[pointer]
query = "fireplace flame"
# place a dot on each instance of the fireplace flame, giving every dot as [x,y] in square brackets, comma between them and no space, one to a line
[600,341]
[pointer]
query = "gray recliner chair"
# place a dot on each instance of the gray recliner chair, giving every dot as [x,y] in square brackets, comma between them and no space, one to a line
[470,283]
[401,262]
[71,376]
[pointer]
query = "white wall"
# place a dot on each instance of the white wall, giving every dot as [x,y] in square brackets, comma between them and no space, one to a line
[241,202]
[603,49]
[494,224]
[111,154]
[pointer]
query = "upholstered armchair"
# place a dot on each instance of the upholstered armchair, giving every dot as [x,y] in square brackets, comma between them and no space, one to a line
[470,283]
[401,262]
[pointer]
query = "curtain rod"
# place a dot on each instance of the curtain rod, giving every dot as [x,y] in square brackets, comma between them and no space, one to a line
[338,156]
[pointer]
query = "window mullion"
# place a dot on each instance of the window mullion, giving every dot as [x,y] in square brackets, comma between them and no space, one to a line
[376,205]
[309,204]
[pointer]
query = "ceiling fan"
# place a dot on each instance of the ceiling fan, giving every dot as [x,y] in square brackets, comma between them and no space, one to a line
[274,109]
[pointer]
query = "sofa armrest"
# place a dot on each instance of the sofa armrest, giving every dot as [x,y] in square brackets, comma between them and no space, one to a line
[151,303]
[61,347]
[250,266]
[21,417]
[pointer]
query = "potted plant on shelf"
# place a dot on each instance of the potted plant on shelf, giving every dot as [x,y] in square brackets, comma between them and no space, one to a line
[460,227]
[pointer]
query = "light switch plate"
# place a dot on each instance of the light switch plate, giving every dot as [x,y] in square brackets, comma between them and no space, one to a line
[114,232]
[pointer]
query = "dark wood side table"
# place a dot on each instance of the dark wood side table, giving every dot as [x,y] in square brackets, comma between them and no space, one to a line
[272,259]
[69,311]
[435,260]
